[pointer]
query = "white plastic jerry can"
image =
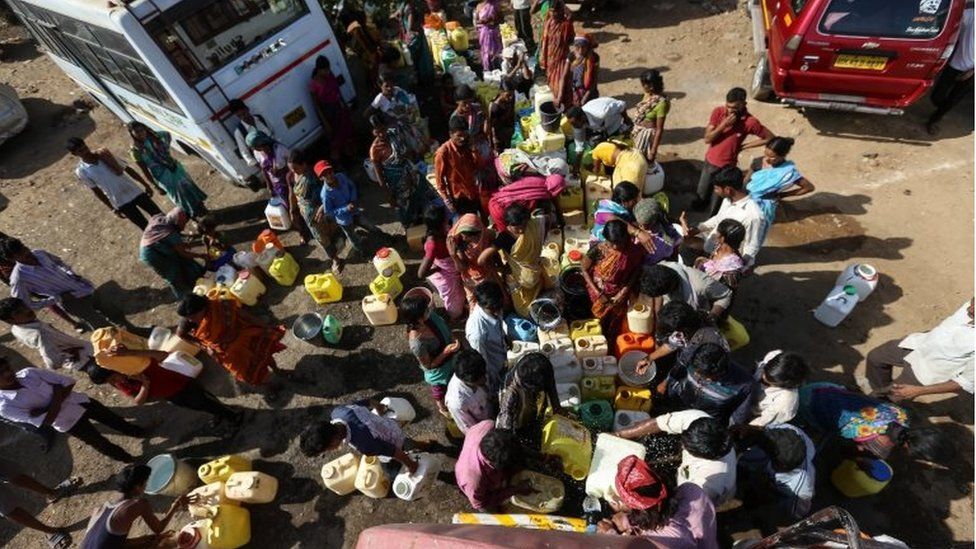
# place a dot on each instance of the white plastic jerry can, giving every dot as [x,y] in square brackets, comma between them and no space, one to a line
[410,487]
[277,215]
[862,276]
[837,305]
[251,487]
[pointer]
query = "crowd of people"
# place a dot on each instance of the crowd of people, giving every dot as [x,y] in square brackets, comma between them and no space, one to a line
[746,433]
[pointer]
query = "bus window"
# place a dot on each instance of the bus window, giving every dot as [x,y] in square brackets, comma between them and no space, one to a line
[207,36]
[101,51]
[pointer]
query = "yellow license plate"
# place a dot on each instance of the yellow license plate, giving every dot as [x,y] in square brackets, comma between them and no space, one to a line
[863,62]
[294,117]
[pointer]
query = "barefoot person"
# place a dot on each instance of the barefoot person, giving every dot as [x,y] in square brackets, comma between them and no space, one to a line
[12,508]
[105,175]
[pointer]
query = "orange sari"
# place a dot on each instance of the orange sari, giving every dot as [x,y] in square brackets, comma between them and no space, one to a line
[244,349]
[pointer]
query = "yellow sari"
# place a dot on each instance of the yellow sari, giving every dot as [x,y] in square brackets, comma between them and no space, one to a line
[525,280]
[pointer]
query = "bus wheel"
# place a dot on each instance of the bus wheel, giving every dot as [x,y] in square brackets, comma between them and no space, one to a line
[762,86]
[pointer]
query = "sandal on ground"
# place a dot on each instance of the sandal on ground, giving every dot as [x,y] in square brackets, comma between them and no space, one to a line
[59,540]
[67,487]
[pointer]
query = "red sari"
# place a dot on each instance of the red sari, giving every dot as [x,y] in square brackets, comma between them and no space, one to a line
[554,51]
[243,348]
[612,271]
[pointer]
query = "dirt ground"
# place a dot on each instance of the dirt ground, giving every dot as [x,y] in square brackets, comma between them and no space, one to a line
[887,193]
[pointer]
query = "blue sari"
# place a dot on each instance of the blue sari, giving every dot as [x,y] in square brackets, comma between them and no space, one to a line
[607,210]
[765,185]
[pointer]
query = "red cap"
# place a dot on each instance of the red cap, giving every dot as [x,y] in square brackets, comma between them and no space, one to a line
[575,255]
[383,253]
[321,166]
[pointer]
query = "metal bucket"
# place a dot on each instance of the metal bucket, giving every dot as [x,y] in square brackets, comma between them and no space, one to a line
[170,476]
[627,366]
[307,327]
[545,313]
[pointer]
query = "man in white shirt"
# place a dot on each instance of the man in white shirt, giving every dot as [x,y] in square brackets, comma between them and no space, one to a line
[737,205]
[105,175]
[707,456]
[247,122]
[57,348]
[779,457]
[42,398]
[466,398]
[955,82]
[934,362]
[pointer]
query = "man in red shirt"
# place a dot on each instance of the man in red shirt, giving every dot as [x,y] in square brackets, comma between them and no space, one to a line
[727,130]
[455,167]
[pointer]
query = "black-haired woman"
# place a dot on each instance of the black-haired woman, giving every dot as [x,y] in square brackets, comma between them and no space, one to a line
[431,342]
[651,114]
[773,177]
[611,269]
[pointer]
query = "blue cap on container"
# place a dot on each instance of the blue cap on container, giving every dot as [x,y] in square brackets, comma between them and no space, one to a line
[879,470]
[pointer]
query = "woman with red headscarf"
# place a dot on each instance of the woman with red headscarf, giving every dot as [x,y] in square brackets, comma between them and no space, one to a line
[680,519]
[532,192]
[557,36]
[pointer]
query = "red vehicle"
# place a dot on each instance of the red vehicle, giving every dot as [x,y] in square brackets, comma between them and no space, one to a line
[875,56]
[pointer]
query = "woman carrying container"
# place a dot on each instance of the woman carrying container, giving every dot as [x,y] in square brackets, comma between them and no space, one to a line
[437,266]
[307,192]
[243,344]
[395,171]
[651,114]
[522,244]
[533,192]
[162,248]
[466,241]
[150,150]
[611,270]
[272,158]
[771,178]
[557,35]
[430,341]
[584,66]
[628,163]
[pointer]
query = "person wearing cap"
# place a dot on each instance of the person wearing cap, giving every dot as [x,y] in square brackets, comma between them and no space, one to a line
[645,507]
[339,201]
[247,122]
[455,167]
[105,175]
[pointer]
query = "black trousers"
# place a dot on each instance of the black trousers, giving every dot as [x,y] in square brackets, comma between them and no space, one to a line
[133,211]
[195,397]
[84,431]
[706,188]
[948,91]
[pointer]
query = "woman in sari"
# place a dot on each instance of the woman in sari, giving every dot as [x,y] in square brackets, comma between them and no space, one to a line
[487,16]
[272,159]
[163,250]
[466,241]
[410,29]
[306,191]
[583,68]
[243,344]
[431,343]
[521,242]
[619,207]
[437,266]
[332,110]
[533,192]
[611,270]
[150,150]
[772,178]
[364,40]
[395,171]
[627,162]
[558,34]
[651,113]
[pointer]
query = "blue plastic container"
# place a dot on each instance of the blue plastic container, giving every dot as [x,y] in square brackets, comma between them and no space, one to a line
[521,329]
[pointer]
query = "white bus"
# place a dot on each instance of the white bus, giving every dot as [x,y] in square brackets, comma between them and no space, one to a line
[175,64]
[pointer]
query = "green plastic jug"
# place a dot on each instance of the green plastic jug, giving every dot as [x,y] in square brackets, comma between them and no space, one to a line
[597,414]
[331,329]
